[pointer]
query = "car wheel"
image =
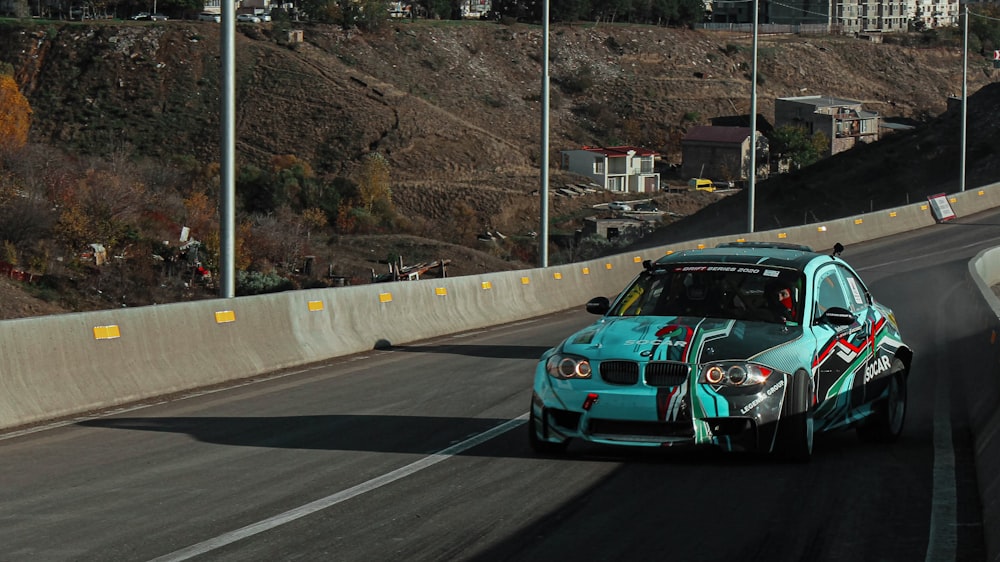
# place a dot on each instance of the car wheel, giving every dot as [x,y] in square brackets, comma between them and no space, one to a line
[885,424]
[540,446]
[794,441]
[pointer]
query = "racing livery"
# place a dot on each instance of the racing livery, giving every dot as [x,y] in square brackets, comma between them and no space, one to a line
[747,347]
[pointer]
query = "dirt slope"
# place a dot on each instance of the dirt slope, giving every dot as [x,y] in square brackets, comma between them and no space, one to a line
[456,110]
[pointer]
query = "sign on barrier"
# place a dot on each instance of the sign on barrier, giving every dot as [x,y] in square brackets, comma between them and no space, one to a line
[941,208]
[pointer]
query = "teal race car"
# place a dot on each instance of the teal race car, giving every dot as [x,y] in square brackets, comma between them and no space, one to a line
[746,347]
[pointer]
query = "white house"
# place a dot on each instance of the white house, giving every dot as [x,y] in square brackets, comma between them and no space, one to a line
[615,168]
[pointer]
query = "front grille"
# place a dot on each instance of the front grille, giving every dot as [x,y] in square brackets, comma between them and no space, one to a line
[639,429]
[620,372]
[666,373]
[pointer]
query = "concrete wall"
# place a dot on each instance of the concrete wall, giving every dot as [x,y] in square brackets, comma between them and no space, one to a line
[984,404]
[57,366]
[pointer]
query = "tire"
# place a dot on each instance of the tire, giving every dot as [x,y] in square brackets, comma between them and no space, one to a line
[885,424]
[538,445]
[794,441]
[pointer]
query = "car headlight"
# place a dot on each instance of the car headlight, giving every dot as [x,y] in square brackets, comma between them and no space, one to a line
[733,374]
[568,367]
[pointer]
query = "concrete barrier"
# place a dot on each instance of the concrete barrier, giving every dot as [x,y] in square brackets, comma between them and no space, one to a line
[984,404]
[59,366]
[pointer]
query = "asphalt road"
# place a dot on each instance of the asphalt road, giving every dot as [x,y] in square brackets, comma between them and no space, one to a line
[420,453]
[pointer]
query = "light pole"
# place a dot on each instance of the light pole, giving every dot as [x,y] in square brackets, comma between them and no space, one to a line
[543,243]
[965,96]
[751,185]
[227,189]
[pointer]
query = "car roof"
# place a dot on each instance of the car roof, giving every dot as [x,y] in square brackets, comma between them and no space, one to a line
[790,256]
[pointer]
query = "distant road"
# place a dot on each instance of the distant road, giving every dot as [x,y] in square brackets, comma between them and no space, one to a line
[420,453]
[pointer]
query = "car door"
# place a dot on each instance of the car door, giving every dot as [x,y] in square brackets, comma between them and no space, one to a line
[842,350]
[879,361]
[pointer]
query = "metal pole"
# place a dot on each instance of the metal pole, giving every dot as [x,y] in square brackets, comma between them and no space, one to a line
[965,97]
[751,185]
[227,191]
[543,243]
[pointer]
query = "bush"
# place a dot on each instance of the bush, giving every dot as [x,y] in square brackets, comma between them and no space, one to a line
[257,283]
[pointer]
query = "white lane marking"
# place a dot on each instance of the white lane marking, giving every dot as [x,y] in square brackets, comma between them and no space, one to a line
[344,495]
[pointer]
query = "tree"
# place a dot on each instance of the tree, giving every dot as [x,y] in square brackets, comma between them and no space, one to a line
[795,144]
[15,116]
[373,182]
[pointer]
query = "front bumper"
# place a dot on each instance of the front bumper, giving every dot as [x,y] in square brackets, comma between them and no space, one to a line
[644,416]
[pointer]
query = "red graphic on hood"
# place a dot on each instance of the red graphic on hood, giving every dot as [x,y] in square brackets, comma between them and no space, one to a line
[673,333]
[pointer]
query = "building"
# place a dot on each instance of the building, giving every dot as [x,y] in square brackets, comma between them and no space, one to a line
[615,168]
[721,153]
[611,228]
[843,121]
[858,17]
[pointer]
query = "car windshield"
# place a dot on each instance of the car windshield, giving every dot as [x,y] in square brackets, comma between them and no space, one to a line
[741,292]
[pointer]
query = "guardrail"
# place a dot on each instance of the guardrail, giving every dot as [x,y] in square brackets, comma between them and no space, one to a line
[59,366]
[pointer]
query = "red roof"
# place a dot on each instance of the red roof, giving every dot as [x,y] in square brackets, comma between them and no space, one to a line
[620,151]
[718,134]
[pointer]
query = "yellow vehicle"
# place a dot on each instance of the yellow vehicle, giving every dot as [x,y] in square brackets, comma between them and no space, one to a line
[701,184]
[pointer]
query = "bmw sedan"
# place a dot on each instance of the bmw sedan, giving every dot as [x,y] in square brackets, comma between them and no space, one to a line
[744,347]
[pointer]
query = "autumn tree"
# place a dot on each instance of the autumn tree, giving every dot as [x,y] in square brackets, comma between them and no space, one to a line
[100,208]
[15,116]
[373,182]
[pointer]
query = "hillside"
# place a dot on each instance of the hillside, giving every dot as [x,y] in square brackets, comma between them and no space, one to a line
[455,109]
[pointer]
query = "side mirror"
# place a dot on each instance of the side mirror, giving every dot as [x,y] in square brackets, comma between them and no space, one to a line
[838,316]
[598,305]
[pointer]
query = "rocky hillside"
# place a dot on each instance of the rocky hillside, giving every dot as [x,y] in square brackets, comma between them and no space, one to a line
[451,104]
[455,107]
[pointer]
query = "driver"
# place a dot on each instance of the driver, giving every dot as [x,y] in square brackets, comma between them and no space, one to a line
[781,302]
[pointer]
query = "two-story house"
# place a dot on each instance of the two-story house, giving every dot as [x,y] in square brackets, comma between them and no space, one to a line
[721,153]
[615,168]
[844,122]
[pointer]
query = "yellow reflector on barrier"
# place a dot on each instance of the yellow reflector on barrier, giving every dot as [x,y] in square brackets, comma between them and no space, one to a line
[385,297]
[225,316]
[608,266]
[892,214]
[315,306]
[487,285]
[923,207]
[953,199]
[668,252]
[782,235]
[982,192]
[741,240]
[441,292]
[557,276]
[586,271]
[525,280]
[820,229]
[637,259]
[107,332]
[701,246]
[858,221]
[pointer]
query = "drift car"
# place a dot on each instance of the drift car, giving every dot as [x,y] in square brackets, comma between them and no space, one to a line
[746,347]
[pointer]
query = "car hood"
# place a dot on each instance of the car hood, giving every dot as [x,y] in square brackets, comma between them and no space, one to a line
[663,338]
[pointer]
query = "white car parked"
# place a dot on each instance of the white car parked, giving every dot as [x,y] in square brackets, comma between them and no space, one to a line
[247,18]
[619,206]
[209,16]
